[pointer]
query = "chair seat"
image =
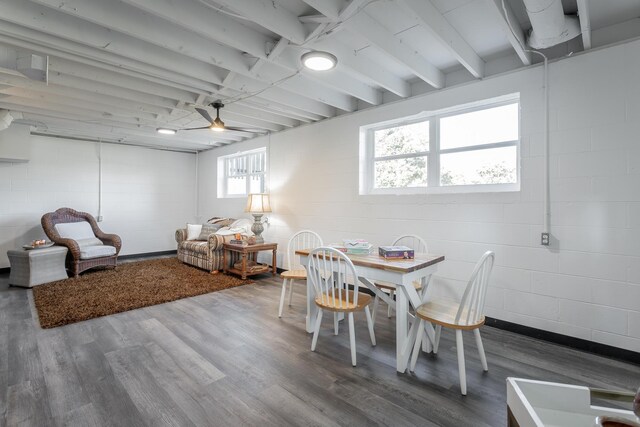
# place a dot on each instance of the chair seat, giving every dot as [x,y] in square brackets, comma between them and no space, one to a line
[337,304]
[97,251]
[294,274]
[392,286]
[444,313]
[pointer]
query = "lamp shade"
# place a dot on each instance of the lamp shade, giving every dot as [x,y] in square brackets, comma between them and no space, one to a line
[258,203]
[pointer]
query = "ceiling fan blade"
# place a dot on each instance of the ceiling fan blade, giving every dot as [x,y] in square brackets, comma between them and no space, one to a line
[204,113]
[204,127]
[235,129]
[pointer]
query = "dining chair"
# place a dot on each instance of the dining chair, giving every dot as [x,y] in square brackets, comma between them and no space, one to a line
[414,242]
[331,274]
[466,315]
[305,239]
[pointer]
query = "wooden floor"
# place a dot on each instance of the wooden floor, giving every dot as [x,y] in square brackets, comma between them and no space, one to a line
[226,359]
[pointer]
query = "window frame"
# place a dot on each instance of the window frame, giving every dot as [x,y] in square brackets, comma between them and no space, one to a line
[223,173]
[433,154]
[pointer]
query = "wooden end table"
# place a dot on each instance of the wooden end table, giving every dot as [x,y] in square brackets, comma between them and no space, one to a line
[245,255]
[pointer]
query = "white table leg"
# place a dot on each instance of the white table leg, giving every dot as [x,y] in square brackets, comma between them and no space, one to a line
[402,307]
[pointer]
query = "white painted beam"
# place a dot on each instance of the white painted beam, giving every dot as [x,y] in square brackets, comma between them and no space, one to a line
[585,23]
[270,15]
[329,8]
[511,28]
[383,39]
[427,15]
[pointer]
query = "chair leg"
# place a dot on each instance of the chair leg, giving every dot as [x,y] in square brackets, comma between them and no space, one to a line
[336,323]
[376,301]
[316,330]
[416,346]
[290,291]
[282,294]
[391,294]
[461,368]
[483,358]
[352,339]
[437,343]
[372,335]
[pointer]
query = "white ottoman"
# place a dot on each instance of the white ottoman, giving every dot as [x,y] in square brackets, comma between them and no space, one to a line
[37,266]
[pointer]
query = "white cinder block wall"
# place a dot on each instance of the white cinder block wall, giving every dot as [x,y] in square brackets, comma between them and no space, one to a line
[144,196]
[587,285]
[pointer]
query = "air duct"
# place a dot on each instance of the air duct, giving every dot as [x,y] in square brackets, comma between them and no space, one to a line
[549,25]
[5,119]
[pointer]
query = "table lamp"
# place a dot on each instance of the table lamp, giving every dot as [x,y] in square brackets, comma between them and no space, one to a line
[258,204]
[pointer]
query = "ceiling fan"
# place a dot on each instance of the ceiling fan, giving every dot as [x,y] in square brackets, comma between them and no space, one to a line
[217,124]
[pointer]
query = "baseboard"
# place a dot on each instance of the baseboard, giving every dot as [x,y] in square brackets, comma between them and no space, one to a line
[148,254]
[567,341]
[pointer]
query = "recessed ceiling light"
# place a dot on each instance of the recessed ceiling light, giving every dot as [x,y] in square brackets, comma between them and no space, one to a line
[319,61]
[166,131]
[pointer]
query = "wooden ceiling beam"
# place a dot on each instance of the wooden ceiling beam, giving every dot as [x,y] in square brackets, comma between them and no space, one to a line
[384,40]
[511,28]
[585,23]
[427,15]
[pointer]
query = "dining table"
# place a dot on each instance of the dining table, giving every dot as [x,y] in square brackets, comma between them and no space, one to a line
[403,273]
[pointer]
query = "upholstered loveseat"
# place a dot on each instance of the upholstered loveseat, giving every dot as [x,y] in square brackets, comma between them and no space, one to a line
[206,251]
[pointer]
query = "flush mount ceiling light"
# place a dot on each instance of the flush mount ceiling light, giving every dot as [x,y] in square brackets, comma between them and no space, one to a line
[319,61]
[166,131]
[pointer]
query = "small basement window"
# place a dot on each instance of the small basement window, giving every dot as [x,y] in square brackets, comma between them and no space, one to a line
[242,173]
[468,148]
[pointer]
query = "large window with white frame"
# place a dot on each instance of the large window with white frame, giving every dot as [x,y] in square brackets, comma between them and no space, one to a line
[469,148]
[242,173]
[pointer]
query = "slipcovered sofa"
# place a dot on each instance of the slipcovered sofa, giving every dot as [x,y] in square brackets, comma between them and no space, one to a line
[206,251]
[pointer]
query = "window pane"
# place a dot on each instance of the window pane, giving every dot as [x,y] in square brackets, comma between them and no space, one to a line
[490,166]
[237,186]
[480,127]
[398,173]
[256,184]
[413,138]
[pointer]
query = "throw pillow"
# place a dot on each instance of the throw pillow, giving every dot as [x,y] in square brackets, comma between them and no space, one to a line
[208,229]
[222,222]
[193,231]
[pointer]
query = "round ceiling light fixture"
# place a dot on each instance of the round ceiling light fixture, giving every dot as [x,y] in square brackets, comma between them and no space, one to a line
[166,131]
[317,60]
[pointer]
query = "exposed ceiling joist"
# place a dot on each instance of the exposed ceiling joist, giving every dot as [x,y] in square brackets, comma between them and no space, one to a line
[426,14]
[585,23]
[329,8]
[387,42]
[271,16]
[511,28]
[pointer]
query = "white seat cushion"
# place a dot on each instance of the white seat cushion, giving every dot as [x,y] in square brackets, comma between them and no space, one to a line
[75,230]
[96,251]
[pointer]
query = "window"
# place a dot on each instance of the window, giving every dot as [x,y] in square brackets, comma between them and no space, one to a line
[469,148]
[242,173]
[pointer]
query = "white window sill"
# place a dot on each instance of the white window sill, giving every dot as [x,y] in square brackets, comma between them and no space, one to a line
[450,189]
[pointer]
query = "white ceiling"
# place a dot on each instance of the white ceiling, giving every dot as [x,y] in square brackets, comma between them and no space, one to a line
[119,69]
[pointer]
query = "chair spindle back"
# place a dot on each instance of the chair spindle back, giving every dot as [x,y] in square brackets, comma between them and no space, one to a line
[304,239]
[472,303]
[331,272]
[412,241]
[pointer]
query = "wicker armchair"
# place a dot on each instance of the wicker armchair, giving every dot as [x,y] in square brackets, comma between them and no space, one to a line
[79,257]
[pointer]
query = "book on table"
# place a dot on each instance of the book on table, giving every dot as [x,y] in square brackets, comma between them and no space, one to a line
[396,252]
[238,242]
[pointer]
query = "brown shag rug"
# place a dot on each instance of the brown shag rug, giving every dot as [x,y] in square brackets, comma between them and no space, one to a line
[132,285]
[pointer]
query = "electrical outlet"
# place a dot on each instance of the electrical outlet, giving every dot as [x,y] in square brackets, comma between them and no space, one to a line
[100,218]
[544,239]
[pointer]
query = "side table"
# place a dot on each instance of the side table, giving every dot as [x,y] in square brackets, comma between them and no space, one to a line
[37,266]
[245,255]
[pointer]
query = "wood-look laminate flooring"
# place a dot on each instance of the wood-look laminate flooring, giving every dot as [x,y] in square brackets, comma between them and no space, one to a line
[226,359]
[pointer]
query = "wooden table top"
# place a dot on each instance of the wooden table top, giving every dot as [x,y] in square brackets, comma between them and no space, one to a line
[399,265]
[261,247]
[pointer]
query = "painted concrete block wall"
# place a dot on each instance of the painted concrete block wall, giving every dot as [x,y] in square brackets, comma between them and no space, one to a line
[144,196]
[586,285]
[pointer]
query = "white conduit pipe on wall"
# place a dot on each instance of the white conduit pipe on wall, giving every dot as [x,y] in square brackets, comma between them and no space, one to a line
[547,185]
[99,179]
[197,187]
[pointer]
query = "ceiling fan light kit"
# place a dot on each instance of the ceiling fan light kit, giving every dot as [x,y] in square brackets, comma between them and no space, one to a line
[217,125]
[166,131]
[318,60]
